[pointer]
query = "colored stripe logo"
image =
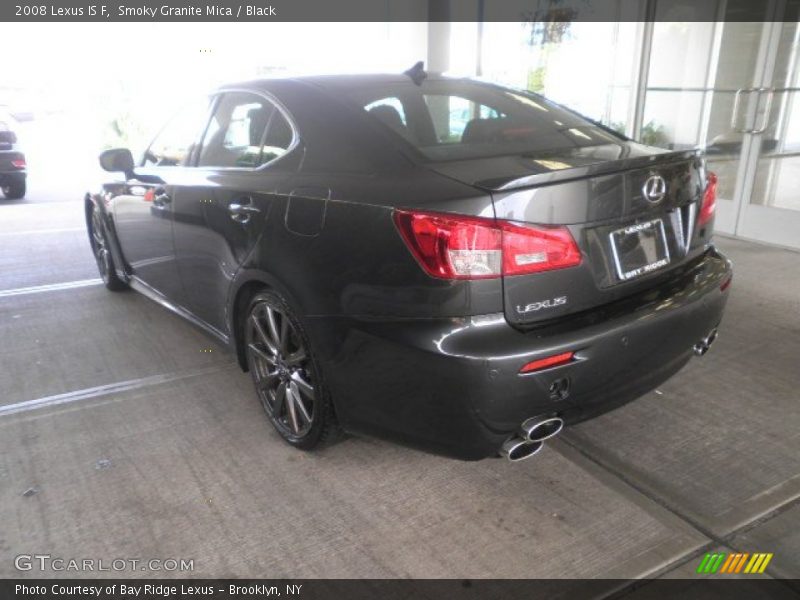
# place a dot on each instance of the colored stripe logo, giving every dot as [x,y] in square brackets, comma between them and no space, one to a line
[735,562]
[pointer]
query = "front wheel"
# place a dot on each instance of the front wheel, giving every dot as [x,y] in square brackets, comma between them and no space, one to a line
[285,373]
[102,254]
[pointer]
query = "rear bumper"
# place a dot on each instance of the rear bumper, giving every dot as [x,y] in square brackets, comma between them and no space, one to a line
[452,386]
[8,177]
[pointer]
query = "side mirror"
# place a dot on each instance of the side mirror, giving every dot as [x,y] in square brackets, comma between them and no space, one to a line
[117,159]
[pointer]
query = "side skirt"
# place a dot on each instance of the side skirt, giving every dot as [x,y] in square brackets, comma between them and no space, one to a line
[156,296]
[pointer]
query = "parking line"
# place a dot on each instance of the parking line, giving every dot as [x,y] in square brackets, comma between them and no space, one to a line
[38,231]
[51,287]
[105,390]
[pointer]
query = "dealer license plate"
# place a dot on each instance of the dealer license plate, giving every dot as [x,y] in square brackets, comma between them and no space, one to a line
[640,249]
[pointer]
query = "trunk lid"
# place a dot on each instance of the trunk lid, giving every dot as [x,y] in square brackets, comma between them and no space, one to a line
[628,242]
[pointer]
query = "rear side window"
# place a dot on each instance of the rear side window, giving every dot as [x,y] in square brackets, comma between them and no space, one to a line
[175,143]
[246,131]
[391,113]
[278,138]
[460,119]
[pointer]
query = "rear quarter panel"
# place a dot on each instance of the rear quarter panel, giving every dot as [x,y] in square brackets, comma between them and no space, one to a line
[346,257]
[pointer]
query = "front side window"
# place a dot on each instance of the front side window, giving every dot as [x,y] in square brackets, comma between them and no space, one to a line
[246,131]
[174,144]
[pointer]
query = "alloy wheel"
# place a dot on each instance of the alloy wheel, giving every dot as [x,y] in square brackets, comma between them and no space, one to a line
[281,369]
[100,247]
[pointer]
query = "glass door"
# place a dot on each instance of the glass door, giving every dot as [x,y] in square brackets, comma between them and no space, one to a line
[736,112]
[732,88]
[770,206]
[701,72]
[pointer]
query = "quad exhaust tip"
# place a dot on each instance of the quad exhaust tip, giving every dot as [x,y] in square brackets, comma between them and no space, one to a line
[517,449]
[530,440]
[701,347]
[537,429]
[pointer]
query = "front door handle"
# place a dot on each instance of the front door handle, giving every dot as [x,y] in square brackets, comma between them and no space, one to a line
[242,209]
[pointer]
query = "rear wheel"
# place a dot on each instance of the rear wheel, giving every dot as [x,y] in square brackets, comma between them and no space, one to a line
[102,254]
[285,373]
[14,190]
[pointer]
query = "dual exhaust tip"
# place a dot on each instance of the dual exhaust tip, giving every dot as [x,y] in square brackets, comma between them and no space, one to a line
[701,347]
[536,430]
[530,440]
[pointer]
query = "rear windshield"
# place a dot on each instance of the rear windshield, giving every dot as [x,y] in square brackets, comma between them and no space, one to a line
[456,119]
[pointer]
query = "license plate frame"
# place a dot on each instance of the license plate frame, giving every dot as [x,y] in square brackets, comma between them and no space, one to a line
[650,244]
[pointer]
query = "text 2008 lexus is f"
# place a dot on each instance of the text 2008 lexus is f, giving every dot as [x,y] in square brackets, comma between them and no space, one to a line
[454,265]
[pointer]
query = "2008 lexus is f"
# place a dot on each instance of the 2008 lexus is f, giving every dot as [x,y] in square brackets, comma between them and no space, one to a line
[447,263]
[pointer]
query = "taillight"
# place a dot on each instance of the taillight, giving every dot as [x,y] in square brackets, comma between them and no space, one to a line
[460,247]
[18,164]
[452,247]
[709,200]
[533,249]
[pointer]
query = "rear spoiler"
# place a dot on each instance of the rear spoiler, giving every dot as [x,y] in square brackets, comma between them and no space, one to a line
[606,167]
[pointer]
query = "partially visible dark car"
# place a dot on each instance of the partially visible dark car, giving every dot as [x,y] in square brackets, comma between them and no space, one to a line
[450,264]
[13,171]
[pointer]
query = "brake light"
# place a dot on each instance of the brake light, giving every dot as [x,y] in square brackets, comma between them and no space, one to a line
[709,200]
[18,164]
[452,247]
[461,247]
[550,361]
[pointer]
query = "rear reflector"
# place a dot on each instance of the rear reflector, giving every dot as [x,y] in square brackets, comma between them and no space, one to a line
[550,361]
[726,284]
[709,200]
[461,247]
[18,164]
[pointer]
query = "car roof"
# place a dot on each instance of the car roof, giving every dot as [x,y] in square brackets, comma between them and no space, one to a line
[332,82]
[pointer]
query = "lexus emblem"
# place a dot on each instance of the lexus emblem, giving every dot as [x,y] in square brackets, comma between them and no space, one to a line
[654,189]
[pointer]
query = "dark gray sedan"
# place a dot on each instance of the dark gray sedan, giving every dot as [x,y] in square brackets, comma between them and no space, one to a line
[450,264]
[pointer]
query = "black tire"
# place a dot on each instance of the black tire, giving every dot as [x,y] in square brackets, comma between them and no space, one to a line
[279,355]
[14,190]
[98,238]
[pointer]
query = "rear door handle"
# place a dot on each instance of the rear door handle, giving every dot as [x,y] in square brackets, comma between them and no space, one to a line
[242,209]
